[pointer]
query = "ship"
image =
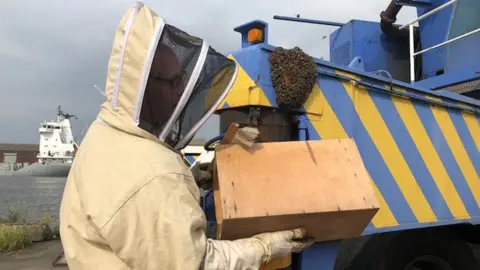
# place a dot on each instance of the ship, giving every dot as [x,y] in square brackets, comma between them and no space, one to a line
[57,148]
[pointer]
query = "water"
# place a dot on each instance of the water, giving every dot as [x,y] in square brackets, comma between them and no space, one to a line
[41,196]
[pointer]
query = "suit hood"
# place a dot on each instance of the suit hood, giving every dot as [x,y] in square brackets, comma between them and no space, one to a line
[152,63]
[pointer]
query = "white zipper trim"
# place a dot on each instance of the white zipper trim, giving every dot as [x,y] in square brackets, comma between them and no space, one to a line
[204,119]
[126,28]
[187,92]
[146,70]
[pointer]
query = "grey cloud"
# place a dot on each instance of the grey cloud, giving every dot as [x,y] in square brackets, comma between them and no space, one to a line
[53,52]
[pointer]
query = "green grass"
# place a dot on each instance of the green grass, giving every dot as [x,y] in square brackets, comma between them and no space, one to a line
[17,213]
[12,237]
[13,232]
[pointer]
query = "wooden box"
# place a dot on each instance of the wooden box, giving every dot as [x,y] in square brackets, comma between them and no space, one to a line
[322,186]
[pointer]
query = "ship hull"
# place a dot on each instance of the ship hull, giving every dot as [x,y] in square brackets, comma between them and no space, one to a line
[47,170]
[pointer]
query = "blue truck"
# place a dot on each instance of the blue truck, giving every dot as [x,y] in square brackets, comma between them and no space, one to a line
[409,97]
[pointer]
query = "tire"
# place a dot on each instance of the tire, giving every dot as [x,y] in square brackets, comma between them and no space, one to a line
[427,249]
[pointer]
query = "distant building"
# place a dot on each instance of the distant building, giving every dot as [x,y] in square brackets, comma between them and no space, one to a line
[27,153]
[18,153]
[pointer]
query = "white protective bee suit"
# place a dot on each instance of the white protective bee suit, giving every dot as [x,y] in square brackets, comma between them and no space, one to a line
[130,201]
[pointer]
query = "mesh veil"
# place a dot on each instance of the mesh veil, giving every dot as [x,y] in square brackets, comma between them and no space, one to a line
[188,79]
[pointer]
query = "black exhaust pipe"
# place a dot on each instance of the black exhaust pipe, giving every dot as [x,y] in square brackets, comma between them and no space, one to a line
[388,18]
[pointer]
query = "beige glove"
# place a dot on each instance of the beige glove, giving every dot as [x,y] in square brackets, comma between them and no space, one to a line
[251,253]
[280,244]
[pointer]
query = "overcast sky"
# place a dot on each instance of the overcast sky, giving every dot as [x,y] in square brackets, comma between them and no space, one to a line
[52,52]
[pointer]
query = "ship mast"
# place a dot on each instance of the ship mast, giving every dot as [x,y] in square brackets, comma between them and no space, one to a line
[60,113]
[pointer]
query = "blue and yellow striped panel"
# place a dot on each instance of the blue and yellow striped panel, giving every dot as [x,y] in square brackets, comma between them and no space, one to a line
[249,88]
[191,157]
[424,159]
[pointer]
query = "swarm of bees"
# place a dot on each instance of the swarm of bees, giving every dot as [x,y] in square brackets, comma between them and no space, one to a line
[293,75]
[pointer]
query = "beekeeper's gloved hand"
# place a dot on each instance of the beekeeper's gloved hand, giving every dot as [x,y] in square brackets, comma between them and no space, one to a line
[280,244]
[202,175]
[252,252]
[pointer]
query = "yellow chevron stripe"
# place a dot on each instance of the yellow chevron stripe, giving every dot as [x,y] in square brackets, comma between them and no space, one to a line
[458,150]
[386,145]
[384,216]
[315,101]
[244,91]
[239,93]
[430,156]
[473,127]
[328,126]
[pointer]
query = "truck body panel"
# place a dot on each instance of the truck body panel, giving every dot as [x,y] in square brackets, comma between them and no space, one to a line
[419,140]
[420,147]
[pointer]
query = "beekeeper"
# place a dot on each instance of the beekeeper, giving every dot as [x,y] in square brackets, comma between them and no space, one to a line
[130,201]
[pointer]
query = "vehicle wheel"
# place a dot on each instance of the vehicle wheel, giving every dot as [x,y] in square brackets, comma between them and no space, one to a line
[422,249]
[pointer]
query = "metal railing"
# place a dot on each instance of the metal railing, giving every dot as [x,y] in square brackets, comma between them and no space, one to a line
[411,38]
